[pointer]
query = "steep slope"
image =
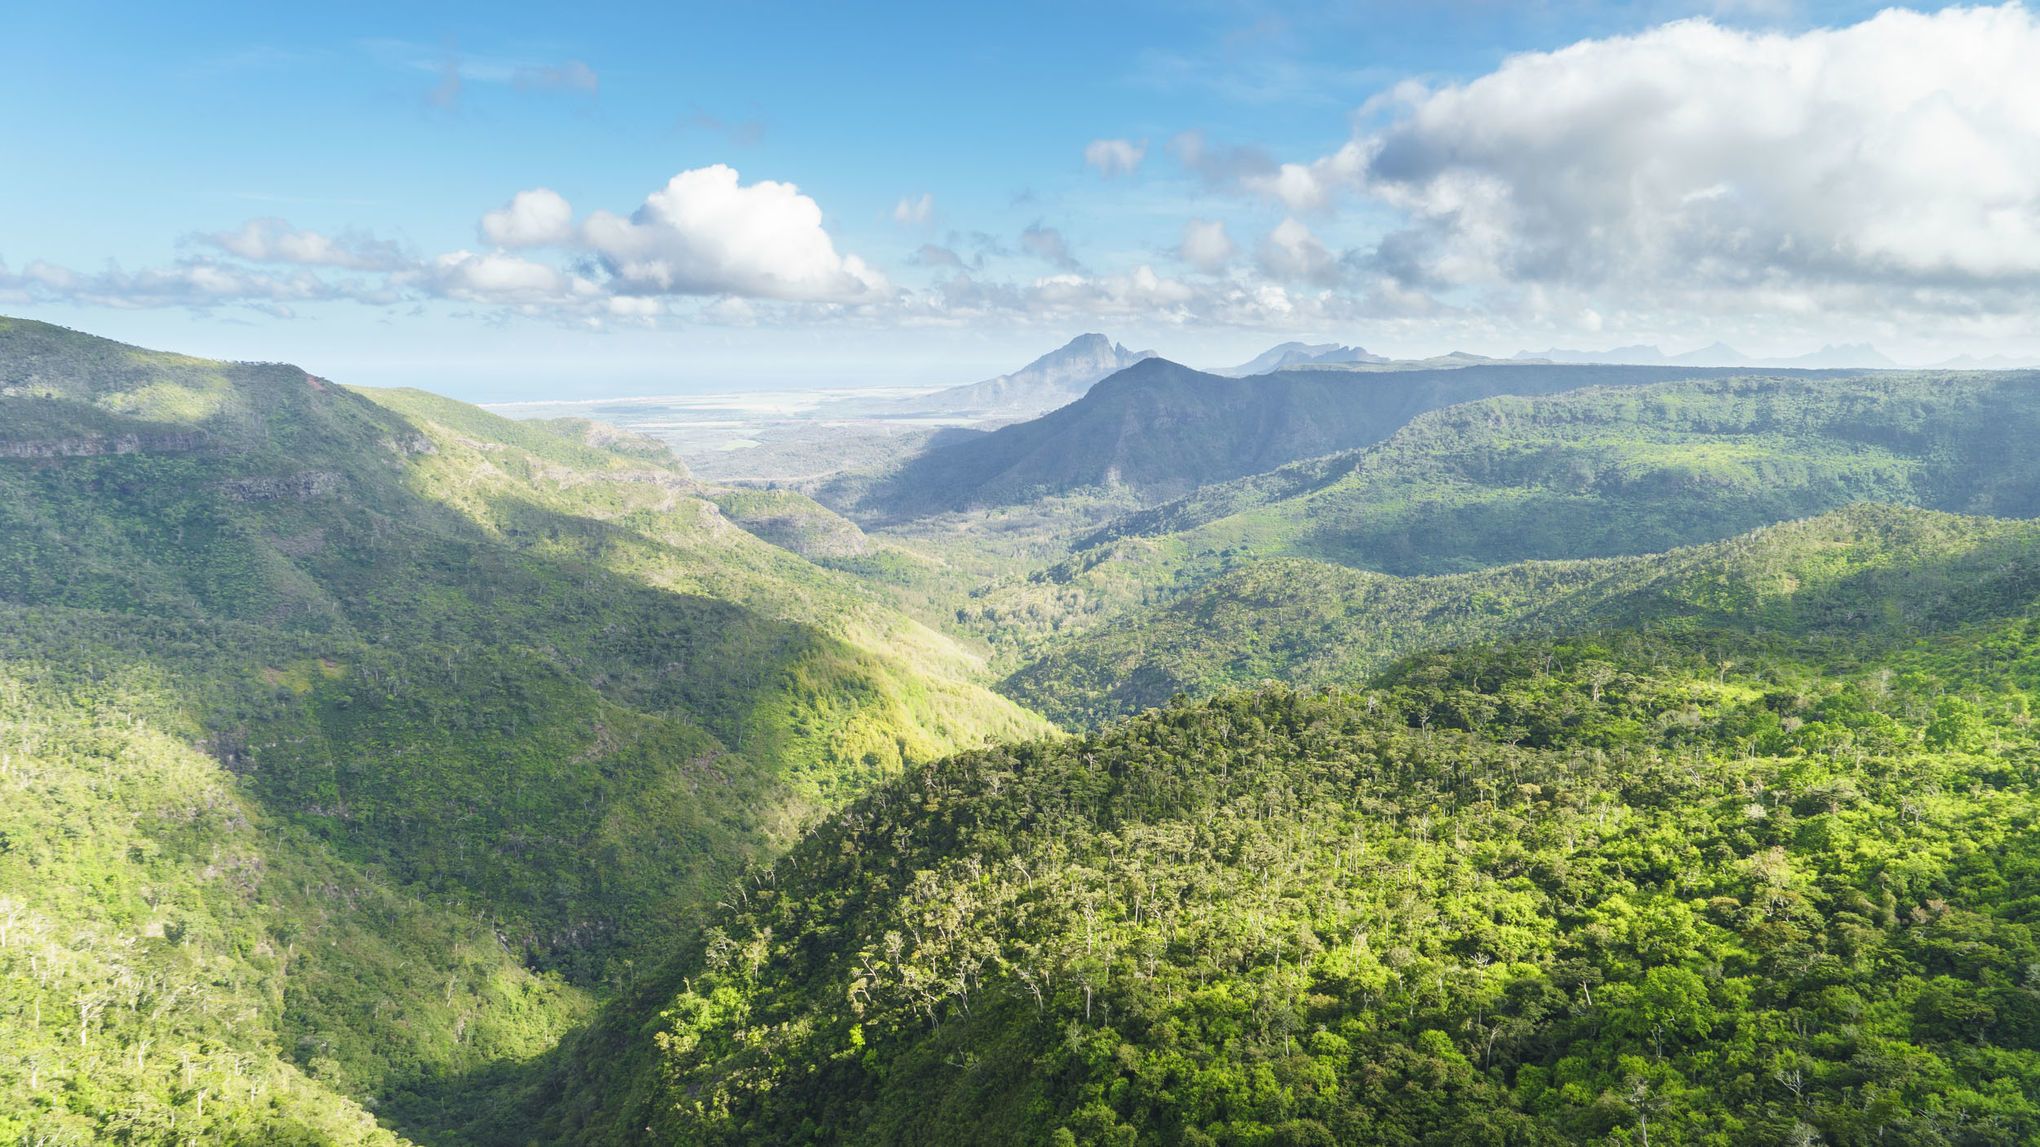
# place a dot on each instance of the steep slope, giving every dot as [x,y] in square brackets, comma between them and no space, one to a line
[1609,471]
[1157,430]
[488,707]
[1859,572]
[1598,472]
[1709,887]
[1055,379]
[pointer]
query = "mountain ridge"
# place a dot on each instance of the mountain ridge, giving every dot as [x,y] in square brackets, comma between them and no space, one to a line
[1159,429]
[1055,379]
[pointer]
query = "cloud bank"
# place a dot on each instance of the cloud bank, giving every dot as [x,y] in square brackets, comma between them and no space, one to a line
[1896,159]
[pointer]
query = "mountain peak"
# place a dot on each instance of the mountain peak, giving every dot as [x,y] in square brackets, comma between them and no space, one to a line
[1057,378]
[1284,356]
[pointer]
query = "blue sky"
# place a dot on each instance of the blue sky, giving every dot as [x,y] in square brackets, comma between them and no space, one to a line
[976,183]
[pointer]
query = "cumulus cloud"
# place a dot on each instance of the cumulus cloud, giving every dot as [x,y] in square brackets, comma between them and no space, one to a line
[511,280]
[1048,245]
[540,217]
[276,241]
[1291,253]
[913,210]
[707,233]
[1894,163]
[1206,246]
[1114,156]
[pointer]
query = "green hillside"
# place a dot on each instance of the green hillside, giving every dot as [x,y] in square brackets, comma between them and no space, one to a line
[379,770]
[1865,571]
[1599,472]
[1591,473]
[1691,888]
[1156,430]
[401,731]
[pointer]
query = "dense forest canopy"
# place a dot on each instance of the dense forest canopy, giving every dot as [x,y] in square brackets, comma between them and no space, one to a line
[1649,762]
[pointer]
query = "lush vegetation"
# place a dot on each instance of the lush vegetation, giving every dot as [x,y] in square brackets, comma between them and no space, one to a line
[1865,570]
[1695,888]
[1157,430]
[488,708]
[376,769]
[1592,473]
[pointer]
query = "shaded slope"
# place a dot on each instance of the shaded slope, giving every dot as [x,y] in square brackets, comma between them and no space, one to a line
[525,673]
[1637,470]
[1157,430]
[1592,473]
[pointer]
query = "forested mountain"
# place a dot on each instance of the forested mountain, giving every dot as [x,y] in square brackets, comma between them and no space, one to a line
[1603,471]
[1157,430]
[1862,571]
[376,769]
[353,741]
[1590,473]
[1763,884]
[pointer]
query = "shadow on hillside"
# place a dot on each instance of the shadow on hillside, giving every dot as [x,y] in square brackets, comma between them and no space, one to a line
[523,740]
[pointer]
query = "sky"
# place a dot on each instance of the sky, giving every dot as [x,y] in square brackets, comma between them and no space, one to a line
[512,201]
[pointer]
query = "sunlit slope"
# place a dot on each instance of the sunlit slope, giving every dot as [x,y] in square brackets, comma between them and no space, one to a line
[527,673]
[1586,474]
[1855,574]
[1724,885]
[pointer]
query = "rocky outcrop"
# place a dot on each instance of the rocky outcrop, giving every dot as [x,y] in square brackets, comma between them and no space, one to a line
[283,487]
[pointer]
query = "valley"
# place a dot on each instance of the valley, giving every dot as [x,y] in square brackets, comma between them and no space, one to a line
[1519,753]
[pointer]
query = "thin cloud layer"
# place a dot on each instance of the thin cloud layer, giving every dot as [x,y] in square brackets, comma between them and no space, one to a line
[273,240]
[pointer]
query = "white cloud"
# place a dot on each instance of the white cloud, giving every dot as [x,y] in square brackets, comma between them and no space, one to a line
[914,210]
[1205,244]
[1892,165]
[1311,186]
[1291,253]
[706,233]
[539,217]
[511,280]
[1114,156]
[276,241]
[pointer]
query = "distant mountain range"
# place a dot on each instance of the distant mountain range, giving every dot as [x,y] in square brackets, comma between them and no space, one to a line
[1284,356]
[1066,374]
[1988,362]
[1847,356]
[1057,378]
